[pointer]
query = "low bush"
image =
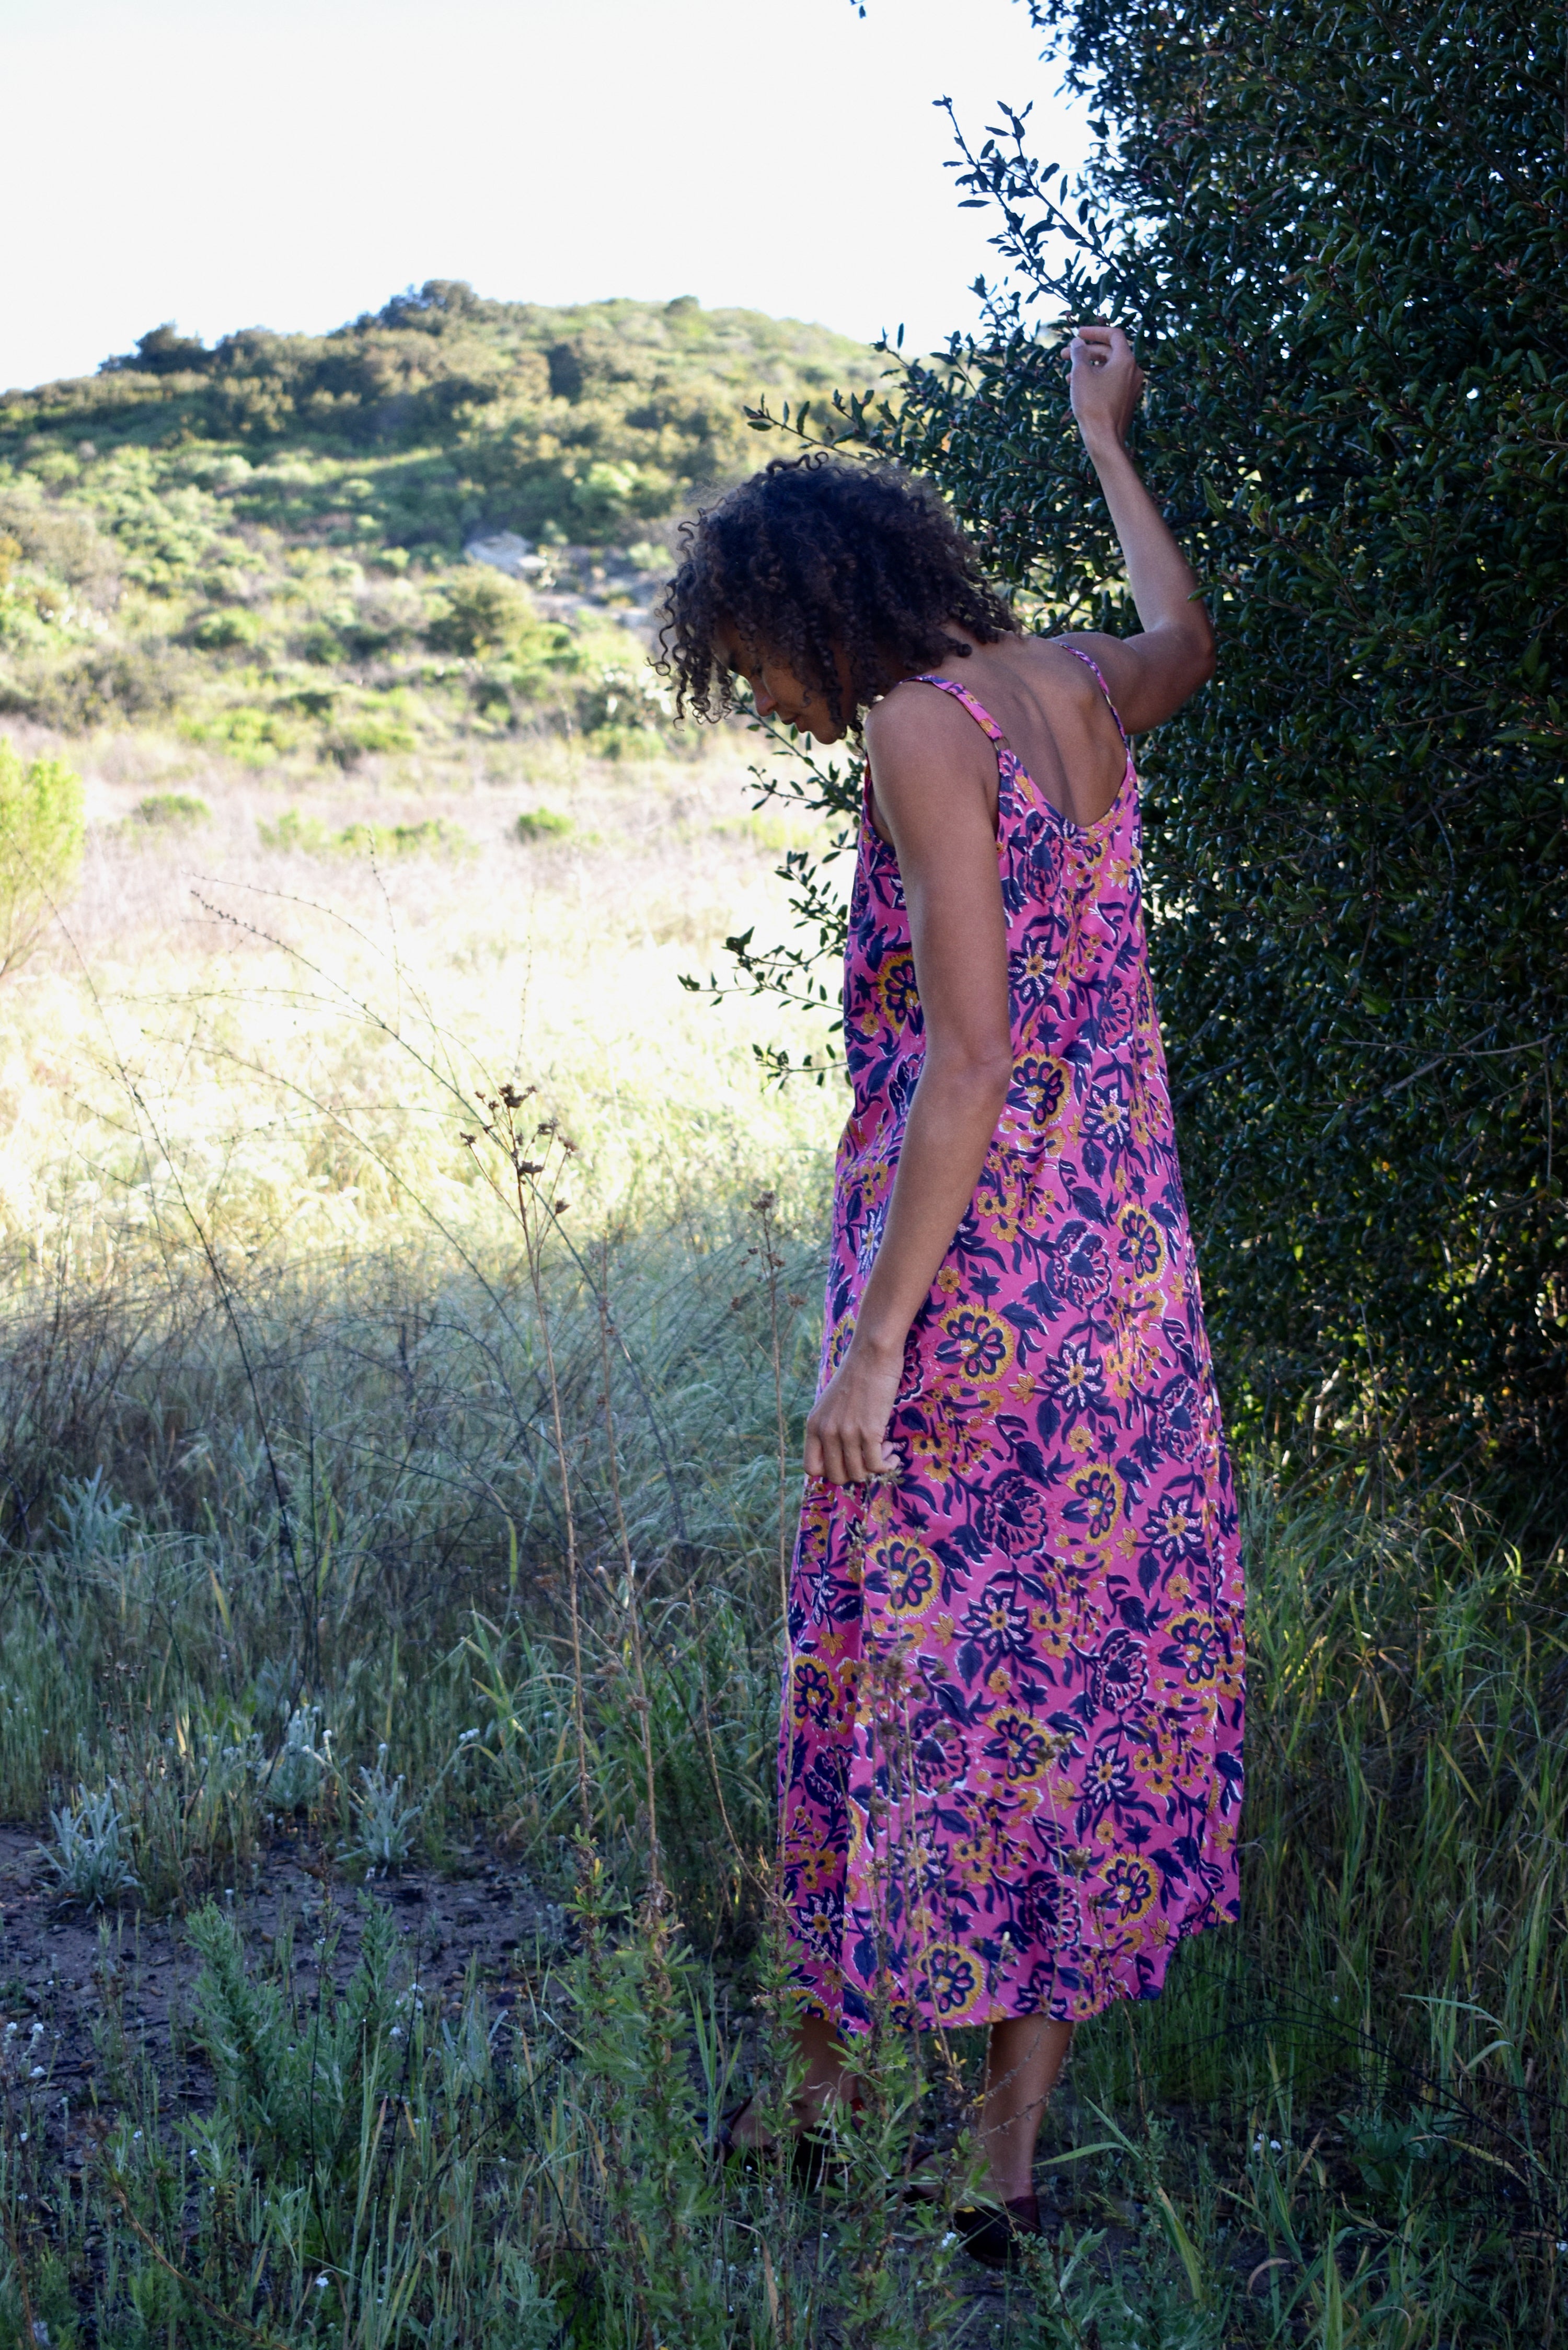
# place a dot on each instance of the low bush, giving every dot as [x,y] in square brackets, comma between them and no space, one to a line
[309,836]
[171,811]
[221,631]
[481,612]
[542,824]
[42,830]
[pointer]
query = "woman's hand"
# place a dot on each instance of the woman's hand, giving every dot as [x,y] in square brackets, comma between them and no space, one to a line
[846,1435]
[1106,385]
[1151,675]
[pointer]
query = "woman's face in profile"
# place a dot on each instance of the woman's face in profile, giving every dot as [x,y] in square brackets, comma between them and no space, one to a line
[777,691]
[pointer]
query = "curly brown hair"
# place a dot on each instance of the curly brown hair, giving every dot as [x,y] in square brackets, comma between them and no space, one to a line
[815,558]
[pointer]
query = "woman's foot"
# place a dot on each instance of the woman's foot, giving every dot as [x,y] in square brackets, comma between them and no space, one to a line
[741,2136]
[994,2235]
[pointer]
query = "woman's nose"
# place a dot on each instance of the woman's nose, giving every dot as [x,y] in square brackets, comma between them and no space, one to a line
[766,702]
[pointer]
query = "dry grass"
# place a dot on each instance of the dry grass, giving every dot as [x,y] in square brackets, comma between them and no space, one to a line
[295,1028]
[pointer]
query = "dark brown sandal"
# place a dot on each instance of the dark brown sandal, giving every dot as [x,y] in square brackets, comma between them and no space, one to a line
[725,2146]
[810,2150]
[994,2237]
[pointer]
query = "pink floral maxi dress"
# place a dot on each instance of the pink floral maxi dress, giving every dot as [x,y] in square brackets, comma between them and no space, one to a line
[1010,1753]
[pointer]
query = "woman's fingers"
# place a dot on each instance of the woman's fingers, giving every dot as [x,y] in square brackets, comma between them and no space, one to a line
[845,1455]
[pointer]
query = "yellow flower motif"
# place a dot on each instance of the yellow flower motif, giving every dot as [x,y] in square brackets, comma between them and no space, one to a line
[896,990]
[954,1983]
[1140,1249]
[1097,1504]
[908,1570]
[948,1279]
[1130,1892]
[1080,1440]
[1017,1741]
[973,1345]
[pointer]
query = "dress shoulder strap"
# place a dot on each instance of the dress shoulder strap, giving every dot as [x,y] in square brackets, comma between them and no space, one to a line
[982,716]
[987,723]
[1078,654]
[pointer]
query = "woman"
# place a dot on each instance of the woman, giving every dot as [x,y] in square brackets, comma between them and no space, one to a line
[1011,1749]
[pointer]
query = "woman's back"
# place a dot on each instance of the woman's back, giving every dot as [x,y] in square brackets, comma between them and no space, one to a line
[1051,714]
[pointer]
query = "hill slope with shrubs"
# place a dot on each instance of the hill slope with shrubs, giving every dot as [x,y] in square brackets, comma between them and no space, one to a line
[261,546]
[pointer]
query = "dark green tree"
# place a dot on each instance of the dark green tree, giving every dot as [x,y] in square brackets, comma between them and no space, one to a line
[1338,235]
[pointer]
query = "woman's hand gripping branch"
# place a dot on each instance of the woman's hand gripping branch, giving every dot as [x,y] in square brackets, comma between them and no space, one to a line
[1151,675]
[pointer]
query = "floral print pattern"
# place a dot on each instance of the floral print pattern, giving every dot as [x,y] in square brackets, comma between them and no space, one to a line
[1010,1750]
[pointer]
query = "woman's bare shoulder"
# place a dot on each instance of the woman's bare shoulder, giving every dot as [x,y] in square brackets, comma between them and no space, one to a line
[913,718]
[1057,660]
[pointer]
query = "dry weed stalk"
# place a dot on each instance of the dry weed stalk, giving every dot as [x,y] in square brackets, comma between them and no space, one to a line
[537,1212]
[628,1568]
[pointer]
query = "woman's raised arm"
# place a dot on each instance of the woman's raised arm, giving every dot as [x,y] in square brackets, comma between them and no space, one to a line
[1149,675]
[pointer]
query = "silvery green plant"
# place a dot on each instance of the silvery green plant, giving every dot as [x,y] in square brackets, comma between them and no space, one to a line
[89,1856]
[385,1822]
[93,1522]
[301,1762]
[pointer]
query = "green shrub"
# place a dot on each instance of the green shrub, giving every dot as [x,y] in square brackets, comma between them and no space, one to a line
[293,830]
[385,729]
[310,836]
[99,685]
[542,824]
[481,611]
[171,811]
[216,631]
[62,540]
[321,644]
[406,839]
[255,736]
[41,836]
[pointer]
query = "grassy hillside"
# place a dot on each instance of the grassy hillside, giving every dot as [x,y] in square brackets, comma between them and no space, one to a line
[260,546]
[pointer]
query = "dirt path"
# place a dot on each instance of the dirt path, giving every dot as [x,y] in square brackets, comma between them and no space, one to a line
[84,1998]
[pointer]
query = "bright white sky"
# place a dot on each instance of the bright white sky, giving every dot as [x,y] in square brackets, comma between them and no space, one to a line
[292,162]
